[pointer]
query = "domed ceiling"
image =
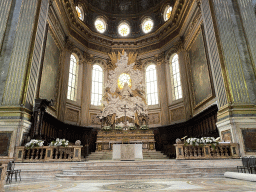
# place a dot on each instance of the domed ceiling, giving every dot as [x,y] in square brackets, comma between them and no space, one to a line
[116,11]
[124,7]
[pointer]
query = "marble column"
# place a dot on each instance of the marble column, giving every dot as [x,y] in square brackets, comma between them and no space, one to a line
[230,42]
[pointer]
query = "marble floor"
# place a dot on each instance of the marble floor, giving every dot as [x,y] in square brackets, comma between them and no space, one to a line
[194,184]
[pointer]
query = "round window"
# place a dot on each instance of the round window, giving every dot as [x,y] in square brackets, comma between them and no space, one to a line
[124,78]
[167,12]
[124,29]
[100,25]
[147,25]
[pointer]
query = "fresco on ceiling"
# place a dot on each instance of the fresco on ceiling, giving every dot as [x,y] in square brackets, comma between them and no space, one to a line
[124,6]
[49,79]
[202,89]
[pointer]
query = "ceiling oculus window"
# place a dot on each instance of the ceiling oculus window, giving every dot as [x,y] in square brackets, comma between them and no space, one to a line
[167,12]
[124,29]
[80,13]
[147,25]
[100,25]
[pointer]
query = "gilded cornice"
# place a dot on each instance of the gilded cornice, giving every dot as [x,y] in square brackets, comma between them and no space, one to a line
[154,39]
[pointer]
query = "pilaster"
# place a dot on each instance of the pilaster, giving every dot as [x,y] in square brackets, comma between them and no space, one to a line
[162,87]
[232,62]
[86,90]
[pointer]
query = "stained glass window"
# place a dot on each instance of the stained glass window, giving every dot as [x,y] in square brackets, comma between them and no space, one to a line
[151,84]
[100,25]
[124,78]
[72,79]
[175,72]
[147,25]
[80,13]
[124,29]
[97,85]
[167,12]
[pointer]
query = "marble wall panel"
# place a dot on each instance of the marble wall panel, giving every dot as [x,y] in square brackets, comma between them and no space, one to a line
[177,114]
[5,139]
[249,137]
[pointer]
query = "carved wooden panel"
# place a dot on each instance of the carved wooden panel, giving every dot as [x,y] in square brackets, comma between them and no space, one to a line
[5,139]
[177,114]
[249,136]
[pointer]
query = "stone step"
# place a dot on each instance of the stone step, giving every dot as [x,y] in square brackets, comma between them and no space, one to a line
[126,171]
[113,167]
[129,176]
[130,163]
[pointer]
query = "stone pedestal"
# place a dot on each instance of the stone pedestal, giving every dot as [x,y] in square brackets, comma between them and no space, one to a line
[240,130]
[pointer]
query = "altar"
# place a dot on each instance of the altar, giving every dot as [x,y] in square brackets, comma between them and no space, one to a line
[127,152]
[124,118]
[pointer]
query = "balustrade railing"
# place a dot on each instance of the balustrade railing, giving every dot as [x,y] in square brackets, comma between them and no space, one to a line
[48,153]
[208,151]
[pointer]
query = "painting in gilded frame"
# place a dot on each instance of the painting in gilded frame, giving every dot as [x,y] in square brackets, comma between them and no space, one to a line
[201,82]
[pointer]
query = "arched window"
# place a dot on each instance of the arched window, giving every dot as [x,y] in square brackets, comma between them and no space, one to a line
[72,78]
[97,82]
[151,84]
[175,74]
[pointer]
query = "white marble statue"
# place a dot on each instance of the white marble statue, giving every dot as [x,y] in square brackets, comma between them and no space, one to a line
[117,99]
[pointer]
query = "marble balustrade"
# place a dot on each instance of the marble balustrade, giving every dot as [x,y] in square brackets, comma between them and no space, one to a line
[48,153]
[208,151]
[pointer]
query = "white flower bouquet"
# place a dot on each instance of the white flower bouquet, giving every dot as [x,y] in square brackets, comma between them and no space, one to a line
[34,143]
[106,128]
[59,142]
[202,141]
[144,127]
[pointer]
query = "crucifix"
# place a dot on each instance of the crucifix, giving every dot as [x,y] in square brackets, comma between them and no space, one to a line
[124,108]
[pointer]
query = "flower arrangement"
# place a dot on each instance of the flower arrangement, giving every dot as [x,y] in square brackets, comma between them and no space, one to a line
[144,127]
[202,141]
[59,142]
[118,128]
[34,143]
[106,128]
[132,128]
